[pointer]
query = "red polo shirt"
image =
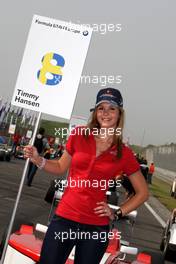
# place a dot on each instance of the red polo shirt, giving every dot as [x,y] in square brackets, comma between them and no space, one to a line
[90,177]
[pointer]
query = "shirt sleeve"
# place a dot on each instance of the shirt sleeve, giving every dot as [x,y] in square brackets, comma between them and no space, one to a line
[131,164]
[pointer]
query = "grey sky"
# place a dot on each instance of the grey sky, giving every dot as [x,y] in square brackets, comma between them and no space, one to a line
[143,53]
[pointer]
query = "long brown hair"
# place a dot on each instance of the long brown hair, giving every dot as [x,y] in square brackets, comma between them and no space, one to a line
[117,139]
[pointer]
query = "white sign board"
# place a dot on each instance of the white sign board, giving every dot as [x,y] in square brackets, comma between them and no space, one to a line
[57,140]
[51,66]
[12,128]
[29,134]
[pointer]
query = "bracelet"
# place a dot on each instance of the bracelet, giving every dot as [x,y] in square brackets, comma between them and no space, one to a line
[118,214]
[42,165]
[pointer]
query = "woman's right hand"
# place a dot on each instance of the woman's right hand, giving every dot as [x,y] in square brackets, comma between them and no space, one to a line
[31,153]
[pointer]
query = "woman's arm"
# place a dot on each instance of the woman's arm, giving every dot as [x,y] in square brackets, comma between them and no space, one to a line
[141,195]
[53,166]
[141,189]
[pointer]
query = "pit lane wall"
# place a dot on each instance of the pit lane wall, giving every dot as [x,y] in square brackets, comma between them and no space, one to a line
[164,158]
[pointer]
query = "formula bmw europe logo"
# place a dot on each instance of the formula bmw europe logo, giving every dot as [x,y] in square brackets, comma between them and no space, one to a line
[85,33]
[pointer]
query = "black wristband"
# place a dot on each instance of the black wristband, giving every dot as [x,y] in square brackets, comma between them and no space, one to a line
[118,214]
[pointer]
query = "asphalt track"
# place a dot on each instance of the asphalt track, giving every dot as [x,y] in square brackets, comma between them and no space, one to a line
[146,234]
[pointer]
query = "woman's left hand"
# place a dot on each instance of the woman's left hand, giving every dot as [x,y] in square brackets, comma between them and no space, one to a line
[103,209]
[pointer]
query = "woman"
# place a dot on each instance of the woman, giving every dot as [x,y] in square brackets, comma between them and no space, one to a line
[94,155]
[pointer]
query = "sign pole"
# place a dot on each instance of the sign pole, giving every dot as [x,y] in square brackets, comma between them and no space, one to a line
[19,193]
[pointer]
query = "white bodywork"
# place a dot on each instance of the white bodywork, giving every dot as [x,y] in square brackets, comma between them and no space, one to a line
[15,257]
[173,234]
[41,228]
[104,258]
[129,250]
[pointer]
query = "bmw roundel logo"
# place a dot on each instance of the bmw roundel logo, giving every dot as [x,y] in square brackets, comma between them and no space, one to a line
[85,33]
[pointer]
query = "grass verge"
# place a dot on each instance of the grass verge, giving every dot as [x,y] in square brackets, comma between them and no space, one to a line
[161,190]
